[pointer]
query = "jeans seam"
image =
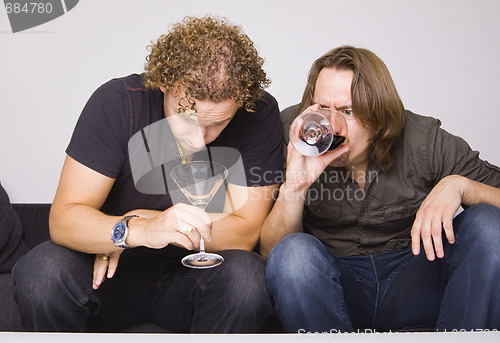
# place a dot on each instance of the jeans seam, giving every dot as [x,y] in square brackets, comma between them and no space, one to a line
[377,281]
[341,299]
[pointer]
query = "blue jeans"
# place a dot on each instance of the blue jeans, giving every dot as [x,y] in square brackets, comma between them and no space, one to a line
[316,291]
[54,293]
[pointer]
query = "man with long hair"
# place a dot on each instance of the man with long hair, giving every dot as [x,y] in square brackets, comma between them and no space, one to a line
[365,237]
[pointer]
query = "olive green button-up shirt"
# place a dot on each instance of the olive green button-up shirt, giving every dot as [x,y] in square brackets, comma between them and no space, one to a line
[352,222]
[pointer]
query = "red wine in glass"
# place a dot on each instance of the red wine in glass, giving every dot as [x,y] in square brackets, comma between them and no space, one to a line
[316,132]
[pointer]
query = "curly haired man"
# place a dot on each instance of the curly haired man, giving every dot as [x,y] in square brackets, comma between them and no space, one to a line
[201,97]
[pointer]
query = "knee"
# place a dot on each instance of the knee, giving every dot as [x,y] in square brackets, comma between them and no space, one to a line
[35,267]
[481,223]
[242,277]
[484,213]
[479,227]
[297,257]
[40,274]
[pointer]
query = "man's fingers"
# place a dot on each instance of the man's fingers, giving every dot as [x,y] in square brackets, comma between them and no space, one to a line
[185,228]
[191,218]
[113,264]
[184,240]
[415,236]
[448,230]
[428,247]
[184,209]
[190,228]
[426,237]
[100,267]
[440,225]
[438,242]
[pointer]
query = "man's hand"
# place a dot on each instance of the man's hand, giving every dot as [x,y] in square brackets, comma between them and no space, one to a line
[435,215]
[302,171]
[102,264]
[181,225]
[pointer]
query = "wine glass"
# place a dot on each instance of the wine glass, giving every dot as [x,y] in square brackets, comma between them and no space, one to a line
[199,181]
[316,132]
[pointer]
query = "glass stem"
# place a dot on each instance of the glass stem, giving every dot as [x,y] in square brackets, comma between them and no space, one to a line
[202,242]
[202,245]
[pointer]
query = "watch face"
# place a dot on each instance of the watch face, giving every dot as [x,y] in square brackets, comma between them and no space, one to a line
[118,232]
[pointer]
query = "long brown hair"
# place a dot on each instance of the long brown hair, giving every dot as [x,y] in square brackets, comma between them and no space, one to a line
[375,100]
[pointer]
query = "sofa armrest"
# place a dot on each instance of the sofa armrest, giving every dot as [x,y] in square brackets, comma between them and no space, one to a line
[35,221]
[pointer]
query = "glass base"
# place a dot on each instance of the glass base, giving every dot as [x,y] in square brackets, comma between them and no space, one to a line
[202,260]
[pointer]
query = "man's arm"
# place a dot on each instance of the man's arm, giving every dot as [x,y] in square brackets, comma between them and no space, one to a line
[77,223]
[286,216]
[439,207]
[455,165]
[238,228]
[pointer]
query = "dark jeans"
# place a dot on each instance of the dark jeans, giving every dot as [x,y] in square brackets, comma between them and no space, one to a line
[54,293]
[316,291]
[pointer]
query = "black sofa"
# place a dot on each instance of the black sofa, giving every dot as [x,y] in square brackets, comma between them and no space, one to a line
[34,220]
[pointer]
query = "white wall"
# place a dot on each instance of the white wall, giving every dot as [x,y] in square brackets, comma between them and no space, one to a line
[443,55]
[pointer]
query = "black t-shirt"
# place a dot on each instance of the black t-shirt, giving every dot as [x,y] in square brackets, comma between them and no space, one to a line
[123,108]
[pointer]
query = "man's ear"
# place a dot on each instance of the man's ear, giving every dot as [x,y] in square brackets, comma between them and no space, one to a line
[176,90]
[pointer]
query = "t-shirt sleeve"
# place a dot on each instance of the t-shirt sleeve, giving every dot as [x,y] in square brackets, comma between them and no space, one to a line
[451,155]
[262,152]
[100,137]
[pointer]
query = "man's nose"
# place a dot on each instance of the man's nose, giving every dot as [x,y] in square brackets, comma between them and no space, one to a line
[197,137]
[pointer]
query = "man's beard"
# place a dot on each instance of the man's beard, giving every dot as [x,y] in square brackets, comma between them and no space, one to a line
[340,161]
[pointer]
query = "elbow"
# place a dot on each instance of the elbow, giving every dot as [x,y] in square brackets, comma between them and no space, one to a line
[54,237]
[265,244]
[250,244]
[264,251]
[55,228]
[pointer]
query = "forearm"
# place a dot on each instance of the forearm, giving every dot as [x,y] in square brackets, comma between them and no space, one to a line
[286,215]
[86,229]
[474,193]
[233,232]
[82,228]
[284,218]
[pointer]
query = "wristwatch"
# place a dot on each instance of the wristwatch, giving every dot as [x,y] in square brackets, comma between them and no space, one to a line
[119,232]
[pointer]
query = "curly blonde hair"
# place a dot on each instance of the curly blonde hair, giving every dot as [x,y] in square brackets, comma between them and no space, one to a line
[210,58]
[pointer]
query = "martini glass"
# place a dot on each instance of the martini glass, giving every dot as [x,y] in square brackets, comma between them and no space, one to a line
[199,181]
